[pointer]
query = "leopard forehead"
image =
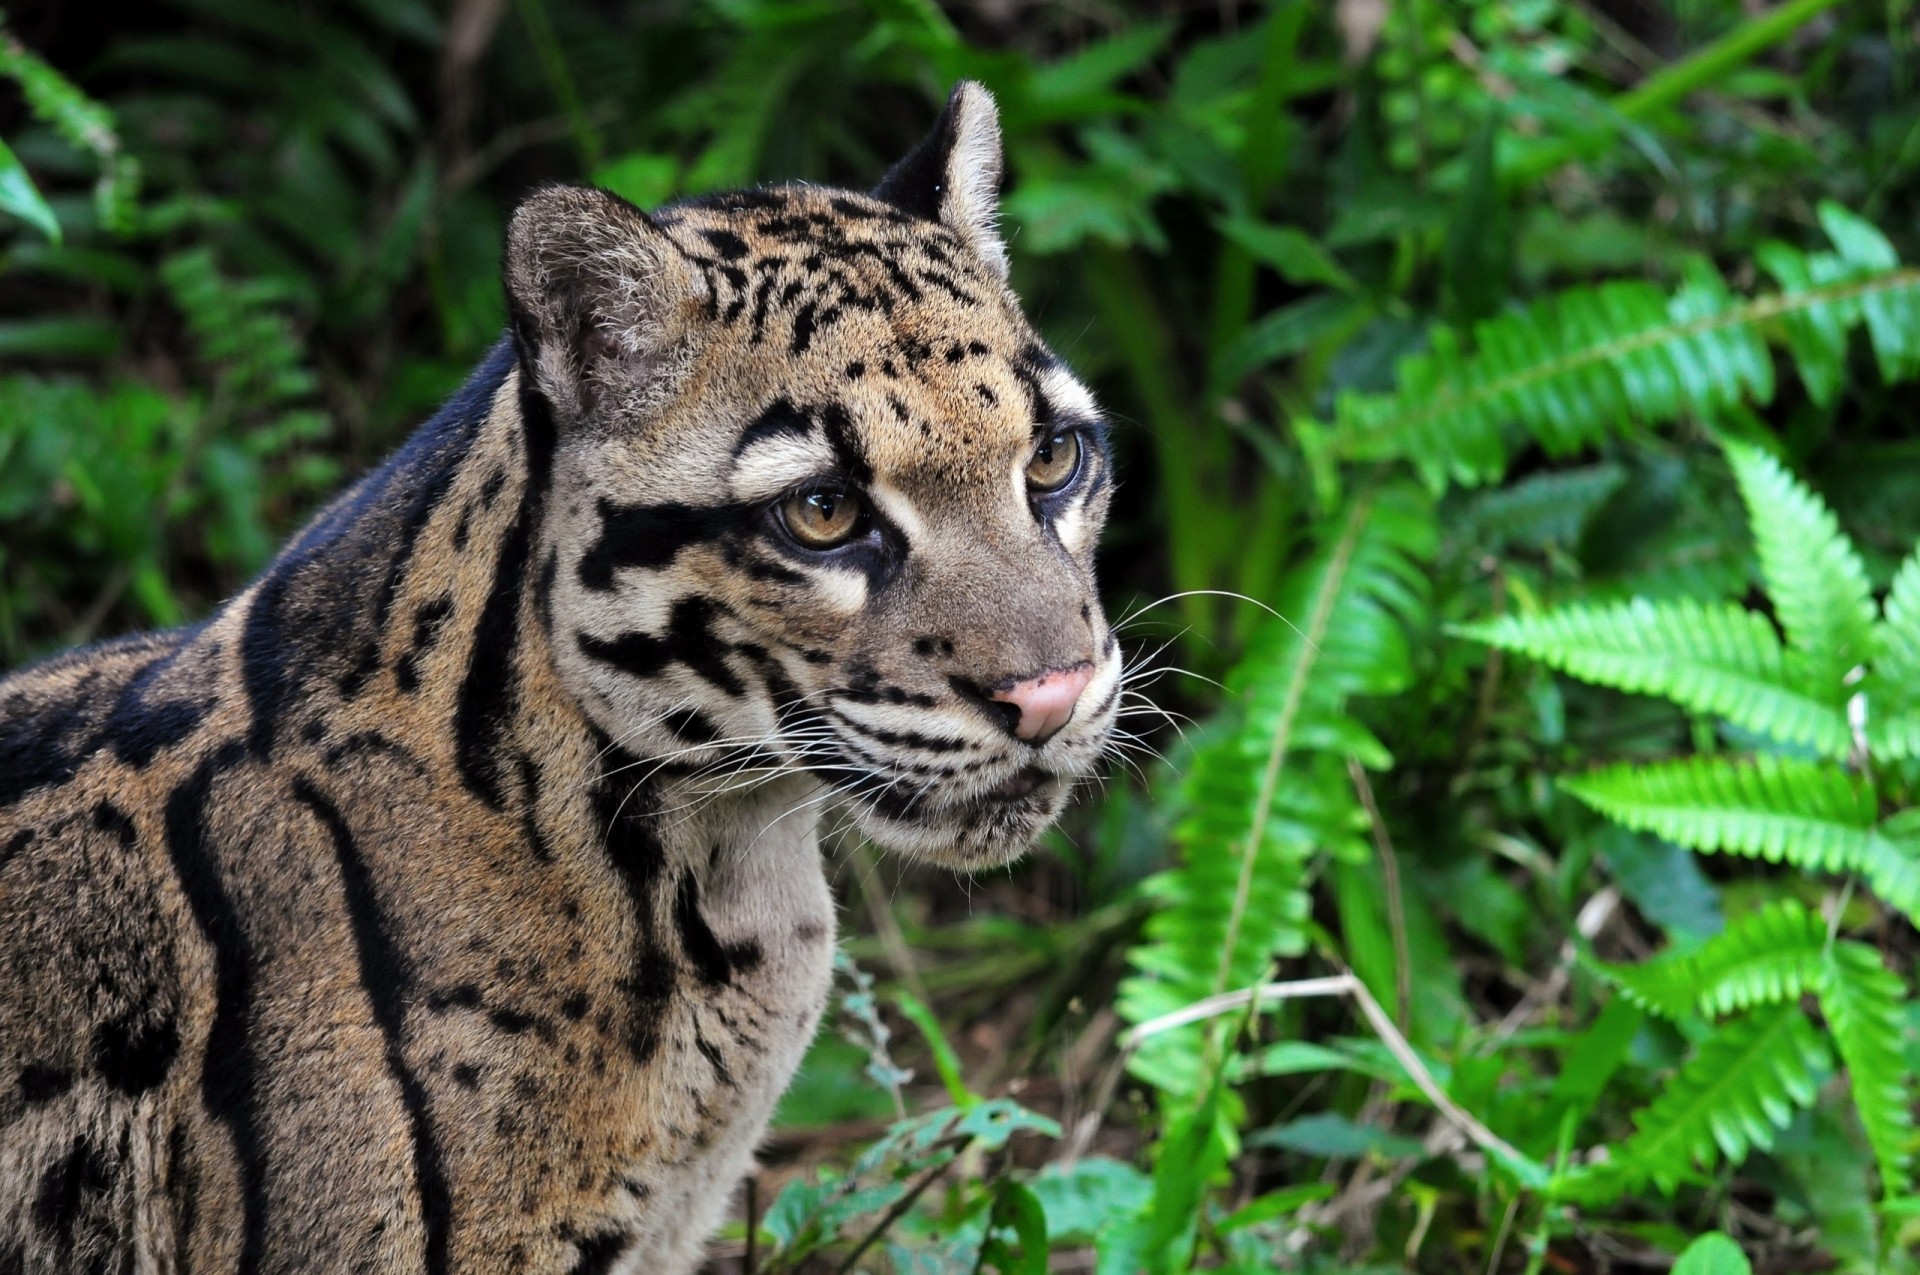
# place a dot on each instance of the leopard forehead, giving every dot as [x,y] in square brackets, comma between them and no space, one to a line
[830,320]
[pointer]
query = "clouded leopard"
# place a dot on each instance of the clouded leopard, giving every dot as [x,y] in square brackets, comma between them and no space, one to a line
[451,900]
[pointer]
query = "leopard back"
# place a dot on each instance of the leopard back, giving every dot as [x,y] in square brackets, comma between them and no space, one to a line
[452,899]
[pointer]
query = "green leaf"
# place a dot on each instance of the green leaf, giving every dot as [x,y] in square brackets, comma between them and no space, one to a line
[1812,815]
[1327,1133]
[19,196]
[1815,579]
[1711,658]
[1865,1006]
[1713,1254]
[1015,1209]
[945,1061]
[1081,1200]
[1294,254]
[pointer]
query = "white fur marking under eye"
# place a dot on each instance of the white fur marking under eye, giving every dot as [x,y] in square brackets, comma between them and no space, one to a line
[843,590]
[899,510]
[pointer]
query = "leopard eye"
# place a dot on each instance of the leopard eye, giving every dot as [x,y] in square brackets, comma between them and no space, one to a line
[823,517]
[1054,462]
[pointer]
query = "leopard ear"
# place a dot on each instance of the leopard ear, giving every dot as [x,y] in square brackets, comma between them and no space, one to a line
[953,174]
[601,301]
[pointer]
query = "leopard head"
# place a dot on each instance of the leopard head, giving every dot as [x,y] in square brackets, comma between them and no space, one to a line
[821,498]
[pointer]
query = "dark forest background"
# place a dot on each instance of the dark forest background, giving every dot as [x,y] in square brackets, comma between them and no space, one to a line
[1511,863]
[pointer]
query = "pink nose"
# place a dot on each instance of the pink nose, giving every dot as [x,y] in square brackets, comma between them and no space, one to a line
[1046,702]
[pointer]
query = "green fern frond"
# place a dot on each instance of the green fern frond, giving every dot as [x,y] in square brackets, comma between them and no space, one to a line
[1865,1007]
[1781,809]
[1718,659]
[1815,579]
[1769,957]
[1738,1090]
[1577,366]
[1893,690]
[1271,791]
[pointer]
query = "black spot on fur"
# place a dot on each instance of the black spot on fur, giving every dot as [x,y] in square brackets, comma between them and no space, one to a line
[387,980]
[691,726]
[65,1188]
[428,621]
[726,243]
[227,1070]
[15,844]
[113,821]
[599,1253]
[40,1083]
[691,640]
[134,1054]
[711,960]
[575,1007]
[781,420]
[464,996]
[650,537]
[639,654]
[466,1075]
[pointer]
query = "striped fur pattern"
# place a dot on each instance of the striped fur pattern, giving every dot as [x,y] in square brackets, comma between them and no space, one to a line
[451,900]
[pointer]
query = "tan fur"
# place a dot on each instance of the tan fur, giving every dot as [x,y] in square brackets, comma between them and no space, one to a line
[451,900]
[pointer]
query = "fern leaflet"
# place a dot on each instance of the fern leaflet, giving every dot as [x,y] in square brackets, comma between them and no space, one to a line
[1815,579]
[1775,808]
[1865,1006]
[1769,957]
[1738,1090]
[1571,368]
[1271,790]
[1718,659]
[1893,691]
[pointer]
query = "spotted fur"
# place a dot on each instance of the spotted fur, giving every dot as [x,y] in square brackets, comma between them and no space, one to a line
[451,900]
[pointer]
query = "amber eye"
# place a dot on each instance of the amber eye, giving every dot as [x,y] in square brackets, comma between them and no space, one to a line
[1054,462]
[824,517]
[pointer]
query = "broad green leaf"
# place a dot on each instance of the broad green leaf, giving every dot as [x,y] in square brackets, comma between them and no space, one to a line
[1713,1254]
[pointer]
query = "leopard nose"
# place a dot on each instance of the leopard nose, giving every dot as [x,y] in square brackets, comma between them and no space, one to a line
[1045,701]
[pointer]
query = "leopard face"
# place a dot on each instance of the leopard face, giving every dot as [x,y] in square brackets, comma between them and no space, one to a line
[821,499]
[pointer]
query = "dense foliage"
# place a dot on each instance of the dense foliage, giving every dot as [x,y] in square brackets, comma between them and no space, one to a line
[1513,863]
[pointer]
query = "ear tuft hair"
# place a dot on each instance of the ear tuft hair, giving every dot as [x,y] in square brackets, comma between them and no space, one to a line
[600,299]
[952,175]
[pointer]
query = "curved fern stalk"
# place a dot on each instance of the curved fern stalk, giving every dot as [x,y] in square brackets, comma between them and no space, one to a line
[1814,578]
[1739,1089]
[1719,659]
[1577,366]
[1865,1007]
[1270,790]
[1769,957]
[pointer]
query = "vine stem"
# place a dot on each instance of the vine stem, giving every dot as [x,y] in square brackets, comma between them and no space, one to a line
[1346,984]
